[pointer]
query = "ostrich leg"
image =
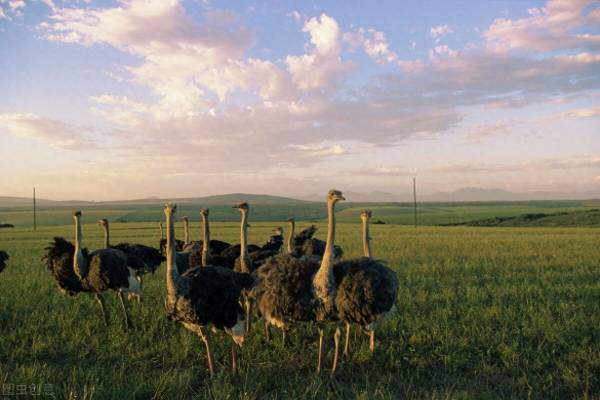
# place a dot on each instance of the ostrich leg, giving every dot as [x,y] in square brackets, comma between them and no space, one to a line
[336,340]
[209,354]
[320,359]
[234,357]
[127,319]
[100,300]
[346,353]
[267,331]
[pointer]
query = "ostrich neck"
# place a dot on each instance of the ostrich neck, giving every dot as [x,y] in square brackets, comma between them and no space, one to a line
[324,281]
[186,231]
[173,277]
[79,265]
[106,237]
[290,237]
[244,242]
[366,238]
[206,242]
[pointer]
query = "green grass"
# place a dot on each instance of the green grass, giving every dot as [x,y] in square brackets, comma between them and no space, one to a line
[483,313]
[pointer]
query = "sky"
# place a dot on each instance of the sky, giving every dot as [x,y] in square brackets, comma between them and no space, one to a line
[106,100]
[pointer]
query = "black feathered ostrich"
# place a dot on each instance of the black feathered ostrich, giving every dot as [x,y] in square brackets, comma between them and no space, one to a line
[140,257]
[366,289]
[77,270]
[3,258]
[204,297]
[290,290]
[207,251]
[304,244]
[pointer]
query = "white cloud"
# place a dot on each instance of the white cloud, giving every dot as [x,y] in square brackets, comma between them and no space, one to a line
[373,42]
[322,66]
[437,32]
[551,27]
[55,133]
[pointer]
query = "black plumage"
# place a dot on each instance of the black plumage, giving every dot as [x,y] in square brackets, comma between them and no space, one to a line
[212,297]
[59,261]
[3,258]
[366,289]
[306,245]
[162,246]
[283,291]
[140,257]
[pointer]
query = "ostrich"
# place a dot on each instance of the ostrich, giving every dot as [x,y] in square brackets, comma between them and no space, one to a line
[367,289]
[291,290]
[139,257]
[3,258]
[77,270]
[305,245]
[163,242]
[204,296]
[142,258]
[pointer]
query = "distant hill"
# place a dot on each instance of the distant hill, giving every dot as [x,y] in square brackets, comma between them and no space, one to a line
[560,219]
[224,199]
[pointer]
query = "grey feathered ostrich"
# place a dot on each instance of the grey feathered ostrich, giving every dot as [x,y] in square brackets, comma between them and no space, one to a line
[3,258]
[290,290]
[76,270]
[204,297]
[366,289]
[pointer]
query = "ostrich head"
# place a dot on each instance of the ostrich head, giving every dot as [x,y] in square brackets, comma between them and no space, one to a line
[185,219]
[278,230]
[242,206]
[76,214]
[103,222]
[365,215]
[204,212]
[291,220]
[170,209]
[334,196]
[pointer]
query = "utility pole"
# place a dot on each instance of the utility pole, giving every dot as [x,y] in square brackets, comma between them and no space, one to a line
[415,199]
[34,212]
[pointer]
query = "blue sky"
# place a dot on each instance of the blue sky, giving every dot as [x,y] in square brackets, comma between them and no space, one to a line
[129,99]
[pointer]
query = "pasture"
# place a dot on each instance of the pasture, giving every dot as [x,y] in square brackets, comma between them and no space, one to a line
[483,313]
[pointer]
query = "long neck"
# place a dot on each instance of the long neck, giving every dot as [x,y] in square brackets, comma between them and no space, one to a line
[244,242]
[366,238]
[173,277]
[206,239]
[106,236]
[290,237]
[79,265]
[324,281]
[186,231]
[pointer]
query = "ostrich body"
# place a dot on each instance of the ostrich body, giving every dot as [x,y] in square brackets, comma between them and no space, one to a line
[140,257]
[204,296]
[3,258]
[304,244]
[367,289]
[77,270]
[291,290]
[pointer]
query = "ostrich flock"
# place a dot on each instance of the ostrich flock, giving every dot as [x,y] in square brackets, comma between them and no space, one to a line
[214,286]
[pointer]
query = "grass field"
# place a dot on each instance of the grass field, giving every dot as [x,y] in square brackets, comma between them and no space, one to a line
[483,313]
